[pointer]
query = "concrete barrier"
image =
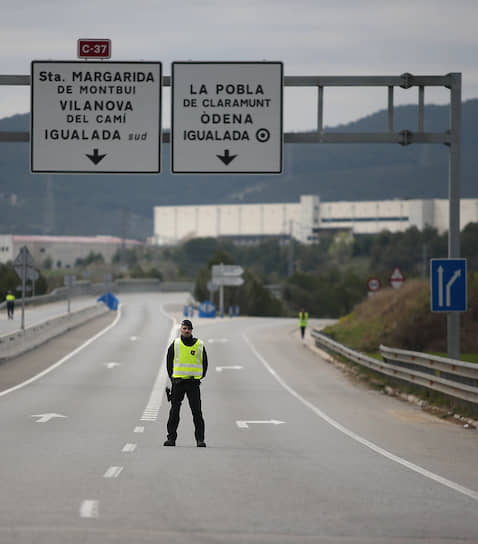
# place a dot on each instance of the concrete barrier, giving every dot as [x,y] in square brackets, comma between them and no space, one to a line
[19,342]
[84,288]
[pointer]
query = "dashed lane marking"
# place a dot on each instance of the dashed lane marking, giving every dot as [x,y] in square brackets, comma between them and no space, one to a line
[154,403]
[113,472]
[90,509]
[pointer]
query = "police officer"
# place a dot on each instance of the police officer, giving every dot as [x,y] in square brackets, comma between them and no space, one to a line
[10,298]
[303,320]
[186,363]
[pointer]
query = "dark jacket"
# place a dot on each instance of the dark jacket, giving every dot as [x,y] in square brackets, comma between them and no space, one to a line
[187,342]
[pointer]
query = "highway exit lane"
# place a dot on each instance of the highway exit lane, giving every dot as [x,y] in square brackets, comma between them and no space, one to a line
[107,477]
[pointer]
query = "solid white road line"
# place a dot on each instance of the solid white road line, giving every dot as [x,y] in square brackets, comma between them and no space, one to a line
[64,359]
[374,447]
[113,472]
[89,509]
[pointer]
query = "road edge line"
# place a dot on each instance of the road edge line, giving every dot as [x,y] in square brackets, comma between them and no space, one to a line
[371,445]
[63,359]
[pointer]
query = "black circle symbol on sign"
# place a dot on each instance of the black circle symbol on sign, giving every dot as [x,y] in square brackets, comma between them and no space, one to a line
[262,135]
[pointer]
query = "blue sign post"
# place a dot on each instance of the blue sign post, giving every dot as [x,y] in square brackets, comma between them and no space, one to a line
[448,285]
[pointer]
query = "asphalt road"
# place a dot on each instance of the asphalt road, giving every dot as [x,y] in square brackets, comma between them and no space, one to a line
[37,314]
[296,451]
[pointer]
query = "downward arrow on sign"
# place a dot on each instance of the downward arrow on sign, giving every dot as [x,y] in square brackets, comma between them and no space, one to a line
[226,158]
[96,157]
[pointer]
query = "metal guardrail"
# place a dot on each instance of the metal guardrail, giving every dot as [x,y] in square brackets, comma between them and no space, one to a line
[449,376]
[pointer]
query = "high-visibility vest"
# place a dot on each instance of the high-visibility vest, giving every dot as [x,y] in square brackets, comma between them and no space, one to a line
[303,320]
[188,359]
[10,297]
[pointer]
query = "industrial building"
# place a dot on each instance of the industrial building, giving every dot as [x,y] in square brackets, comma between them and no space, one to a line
[61,250]
[302,220]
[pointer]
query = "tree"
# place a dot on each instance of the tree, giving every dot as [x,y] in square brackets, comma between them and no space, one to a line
[91,258]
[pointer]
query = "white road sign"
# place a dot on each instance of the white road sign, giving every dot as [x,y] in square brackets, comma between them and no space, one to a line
[227,117]
[226,270]
[230,281]
[95,117]
[23,264]
[24,258]
[373,284]
[396,278]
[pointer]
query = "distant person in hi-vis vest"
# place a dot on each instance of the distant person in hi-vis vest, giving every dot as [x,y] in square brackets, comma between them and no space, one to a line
[186,363]
[303,320]
[10,298]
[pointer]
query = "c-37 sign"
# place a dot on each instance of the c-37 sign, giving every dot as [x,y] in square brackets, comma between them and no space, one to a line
[227,117]
[95,117]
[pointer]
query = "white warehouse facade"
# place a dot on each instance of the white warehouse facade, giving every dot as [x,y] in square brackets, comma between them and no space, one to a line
[303,220]
[62,250]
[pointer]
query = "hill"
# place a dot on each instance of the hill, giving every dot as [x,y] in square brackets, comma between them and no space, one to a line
[123,205]
[401,318]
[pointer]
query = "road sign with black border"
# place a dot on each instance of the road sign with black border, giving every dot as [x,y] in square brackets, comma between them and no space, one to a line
[227,117]
[98,117]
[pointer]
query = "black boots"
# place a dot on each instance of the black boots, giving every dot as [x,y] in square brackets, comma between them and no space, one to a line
[200,443]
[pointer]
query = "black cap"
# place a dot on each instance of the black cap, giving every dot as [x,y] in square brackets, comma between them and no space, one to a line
[187,323]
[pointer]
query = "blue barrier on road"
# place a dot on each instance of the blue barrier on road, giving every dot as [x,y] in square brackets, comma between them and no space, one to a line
[206,309]
[110,300]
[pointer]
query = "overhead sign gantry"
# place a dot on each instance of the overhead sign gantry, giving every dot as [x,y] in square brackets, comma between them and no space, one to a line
[95,117]
[45,153]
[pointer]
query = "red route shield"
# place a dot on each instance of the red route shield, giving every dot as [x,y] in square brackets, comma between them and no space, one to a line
[94,49]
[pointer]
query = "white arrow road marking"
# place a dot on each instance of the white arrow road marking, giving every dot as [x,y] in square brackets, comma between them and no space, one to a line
[440,286]
[128,448]
[45,418]
[89,509]
[112,365]
[212,340]
[113,472]
[233,367]
[455,276]
[245,424]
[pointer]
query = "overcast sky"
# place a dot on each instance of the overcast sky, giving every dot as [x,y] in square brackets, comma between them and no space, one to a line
[311,37]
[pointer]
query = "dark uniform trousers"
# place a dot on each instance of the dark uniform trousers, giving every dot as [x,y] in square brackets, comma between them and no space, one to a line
[190,388]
